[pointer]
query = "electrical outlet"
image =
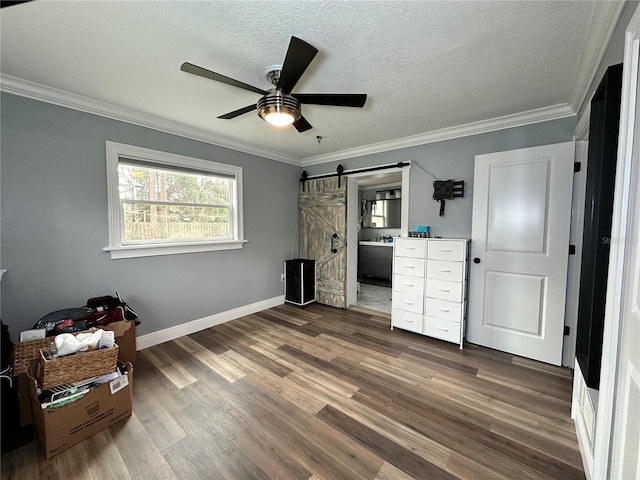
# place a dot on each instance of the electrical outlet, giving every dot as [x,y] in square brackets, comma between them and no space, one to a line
[282,277]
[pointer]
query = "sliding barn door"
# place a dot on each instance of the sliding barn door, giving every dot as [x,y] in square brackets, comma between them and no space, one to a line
[323,227]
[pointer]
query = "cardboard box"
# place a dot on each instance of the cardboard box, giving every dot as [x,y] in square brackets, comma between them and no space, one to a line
[60,428]
[125,337]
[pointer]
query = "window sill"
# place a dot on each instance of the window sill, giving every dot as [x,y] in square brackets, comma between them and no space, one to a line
[133,251]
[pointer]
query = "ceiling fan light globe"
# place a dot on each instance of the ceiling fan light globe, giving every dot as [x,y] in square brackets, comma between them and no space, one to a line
[279,119]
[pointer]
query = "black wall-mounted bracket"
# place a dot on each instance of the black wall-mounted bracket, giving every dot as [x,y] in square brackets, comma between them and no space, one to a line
[447,190]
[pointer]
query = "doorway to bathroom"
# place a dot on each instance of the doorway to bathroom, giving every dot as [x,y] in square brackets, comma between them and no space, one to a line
[377,212]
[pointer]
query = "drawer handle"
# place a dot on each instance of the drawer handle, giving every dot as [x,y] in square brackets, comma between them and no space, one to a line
[444,289]
[406,320]
[407,302]
[409,266]
[443,270]
[410,248]
[443,329]
[409,284]
[443,309]
[446,250]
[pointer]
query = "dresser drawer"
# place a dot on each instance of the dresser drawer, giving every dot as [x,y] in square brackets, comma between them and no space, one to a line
[413,267]
[443,309]
[445,270]
[407,320]
[408,284]
[442,329]
[408,247]
[444,290]
[447,250]
[408,302]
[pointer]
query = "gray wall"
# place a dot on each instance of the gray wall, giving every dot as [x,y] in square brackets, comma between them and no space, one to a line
[453,159]
[54,224]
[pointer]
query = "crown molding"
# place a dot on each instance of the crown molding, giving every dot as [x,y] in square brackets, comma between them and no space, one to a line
[24,88]
[603,24]
[474,128]
[581,131]
[65,99]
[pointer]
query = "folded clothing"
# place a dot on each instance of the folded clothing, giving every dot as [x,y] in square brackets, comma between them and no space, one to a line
[67,343]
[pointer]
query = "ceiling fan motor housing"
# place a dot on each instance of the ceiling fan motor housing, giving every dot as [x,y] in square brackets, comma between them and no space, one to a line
[278,102]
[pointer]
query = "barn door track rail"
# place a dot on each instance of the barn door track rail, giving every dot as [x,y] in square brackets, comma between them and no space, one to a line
[340,171]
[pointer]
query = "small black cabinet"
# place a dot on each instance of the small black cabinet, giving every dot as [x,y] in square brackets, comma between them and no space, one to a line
[300,281]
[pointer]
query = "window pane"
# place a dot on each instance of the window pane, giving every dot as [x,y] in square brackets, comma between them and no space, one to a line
[167,222]
[162,203]
[144,183]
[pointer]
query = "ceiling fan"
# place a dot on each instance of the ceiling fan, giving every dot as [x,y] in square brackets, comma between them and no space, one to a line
[279,106]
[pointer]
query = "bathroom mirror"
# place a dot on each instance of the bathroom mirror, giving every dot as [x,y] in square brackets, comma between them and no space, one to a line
[382,214]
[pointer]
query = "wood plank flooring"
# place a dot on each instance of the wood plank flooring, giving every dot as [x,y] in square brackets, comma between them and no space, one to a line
[320,393]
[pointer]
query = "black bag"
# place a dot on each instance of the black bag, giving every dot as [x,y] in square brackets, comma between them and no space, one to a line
[12,435]
[98,311]
[6,347]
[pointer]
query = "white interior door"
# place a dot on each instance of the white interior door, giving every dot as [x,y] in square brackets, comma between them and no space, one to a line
[519,250]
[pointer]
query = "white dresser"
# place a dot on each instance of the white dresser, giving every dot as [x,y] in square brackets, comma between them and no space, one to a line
[430,287]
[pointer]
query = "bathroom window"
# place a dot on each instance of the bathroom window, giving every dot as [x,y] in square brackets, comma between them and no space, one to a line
[162,203]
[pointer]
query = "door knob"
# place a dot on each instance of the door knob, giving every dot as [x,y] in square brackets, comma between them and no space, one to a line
[476,260]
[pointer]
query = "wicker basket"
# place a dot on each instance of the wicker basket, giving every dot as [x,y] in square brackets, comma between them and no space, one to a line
[73,368]
[26,353]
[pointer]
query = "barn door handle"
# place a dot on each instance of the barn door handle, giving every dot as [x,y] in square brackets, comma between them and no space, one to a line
[333,243]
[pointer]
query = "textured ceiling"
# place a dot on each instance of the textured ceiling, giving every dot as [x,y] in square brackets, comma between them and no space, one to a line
[425,65]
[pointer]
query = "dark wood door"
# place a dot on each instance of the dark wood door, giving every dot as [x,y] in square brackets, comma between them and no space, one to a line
[323,227]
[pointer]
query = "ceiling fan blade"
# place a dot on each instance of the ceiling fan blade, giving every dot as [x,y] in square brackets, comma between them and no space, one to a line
[237,113]
[203,72]
[298,58]
[9,3]
[302,125]
[335,99]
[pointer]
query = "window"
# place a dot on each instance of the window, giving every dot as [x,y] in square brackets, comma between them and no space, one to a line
[162,204]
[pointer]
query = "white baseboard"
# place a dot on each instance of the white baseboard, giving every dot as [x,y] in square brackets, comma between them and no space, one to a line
[171,333]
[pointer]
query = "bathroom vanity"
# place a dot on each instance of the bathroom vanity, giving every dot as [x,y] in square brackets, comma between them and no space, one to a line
[375,259]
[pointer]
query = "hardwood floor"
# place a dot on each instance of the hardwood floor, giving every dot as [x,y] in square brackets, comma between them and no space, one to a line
[321,393]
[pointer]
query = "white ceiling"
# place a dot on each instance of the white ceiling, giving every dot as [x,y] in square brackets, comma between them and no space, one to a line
[426,66]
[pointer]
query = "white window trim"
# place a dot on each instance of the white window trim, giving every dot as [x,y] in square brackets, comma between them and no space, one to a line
[116,151]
